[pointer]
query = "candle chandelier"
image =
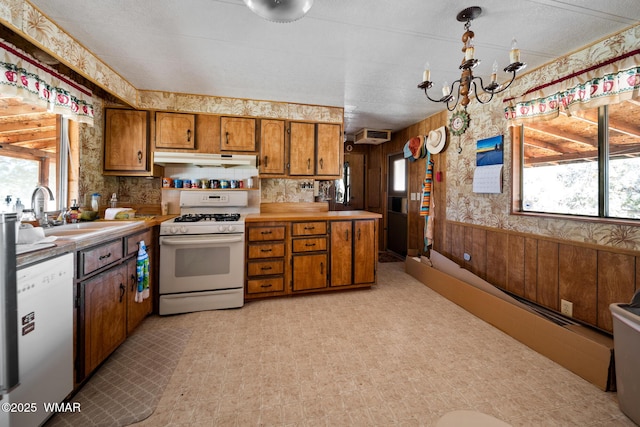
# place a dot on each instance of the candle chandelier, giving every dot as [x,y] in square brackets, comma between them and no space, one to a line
[469,84]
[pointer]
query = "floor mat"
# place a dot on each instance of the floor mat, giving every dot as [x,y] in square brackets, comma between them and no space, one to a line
[128,386]
[389,257]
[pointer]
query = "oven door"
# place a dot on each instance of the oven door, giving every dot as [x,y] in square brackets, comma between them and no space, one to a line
[191,263]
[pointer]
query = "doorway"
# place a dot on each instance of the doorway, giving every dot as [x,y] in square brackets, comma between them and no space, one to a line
[397,204]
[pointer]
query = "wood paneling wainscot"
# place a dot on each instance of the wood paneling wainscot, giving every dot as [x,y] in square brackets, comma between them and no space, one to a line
[547,270]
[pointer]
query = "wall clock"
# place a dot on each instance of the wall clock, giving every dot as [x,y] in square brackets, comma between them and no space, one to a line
[459,122]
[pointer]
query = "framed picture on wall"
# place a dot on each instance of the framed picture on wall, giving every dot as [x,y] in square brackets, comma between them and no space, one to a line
[490,151]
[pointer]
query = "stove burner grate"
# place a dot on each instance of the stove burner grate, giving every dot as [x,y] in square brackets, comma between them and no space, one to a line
[208,217]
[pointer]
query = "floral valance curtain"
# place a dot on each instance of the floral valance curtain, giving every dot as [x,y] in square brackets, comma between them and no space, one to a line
[615,81]
[23,76]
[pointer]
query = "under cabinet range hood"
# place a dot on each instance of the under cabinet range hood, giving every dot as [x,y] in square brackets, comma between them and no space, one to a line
[202,159]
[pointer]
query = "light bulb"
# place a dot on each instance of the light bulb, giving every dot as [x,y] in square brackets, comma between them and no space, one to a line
[514,55]
[469,50]
[445,89]
[494,72]
[426,75]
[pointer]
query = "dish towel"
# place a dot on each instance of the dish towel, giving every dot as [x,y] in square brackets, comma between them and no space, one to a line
[142,270]
[426,202]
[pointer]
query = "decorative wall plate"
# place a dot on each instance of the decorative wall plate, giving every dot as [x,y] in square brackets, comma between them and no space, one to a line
[459,122]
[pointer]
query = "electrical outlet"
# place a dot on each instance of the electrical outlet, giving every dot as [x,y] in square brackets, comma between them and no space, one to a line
[566,307]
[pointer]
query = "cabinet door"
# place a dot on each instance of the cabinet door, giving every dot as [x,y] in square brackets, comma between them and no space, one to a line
[341,252]
[364,270]
[329,145]
[272,147]
[126,143]
[237,134]
[105,314]
[309,272]
[137,311]
[302,149]
[175,130]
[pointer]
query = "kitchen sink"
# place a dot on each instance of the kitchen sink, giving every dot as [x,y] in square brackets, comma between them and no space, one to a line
[82,230]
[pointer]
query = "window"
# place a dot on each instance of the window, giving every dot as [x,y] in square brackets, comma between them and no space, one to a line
[586,164]
[33,144]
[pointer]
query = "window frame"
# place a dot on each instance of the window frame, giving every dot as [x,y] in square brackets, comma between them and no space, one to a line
[517,168]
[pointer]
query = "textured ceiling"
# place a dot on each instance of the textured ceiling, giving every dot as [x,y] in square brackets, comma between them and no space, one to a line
[364,55]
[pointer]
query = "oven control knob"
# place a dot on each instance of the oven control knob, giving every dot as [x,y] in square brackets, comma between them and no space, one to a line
[222,228]
[173,230]
[232,228]
[183,229]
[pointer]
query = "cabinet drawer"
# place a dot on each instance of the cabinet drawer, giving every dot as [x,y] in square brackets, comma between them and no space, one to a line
[266,268]
[268,250]
[96,258]
[310,245]
[275,284]
[258,234]
[309,228]
[131,242]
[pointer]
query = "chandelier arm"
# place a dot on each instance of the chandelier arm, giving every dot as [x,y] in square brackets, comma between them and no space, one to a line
[431,99]
[451,107]
[475,91]
[513,77]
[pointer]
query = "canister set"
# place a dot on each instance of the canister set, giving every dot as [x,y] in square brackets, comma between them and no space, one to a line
[205,183]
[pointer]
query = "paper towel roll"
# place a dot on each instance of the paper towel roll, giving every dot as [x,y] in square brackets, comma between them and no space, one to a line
[110,213]
[30,235]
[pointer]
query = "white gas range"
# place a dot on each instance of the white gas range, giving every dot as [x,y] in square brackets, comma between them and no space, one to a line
[202,252]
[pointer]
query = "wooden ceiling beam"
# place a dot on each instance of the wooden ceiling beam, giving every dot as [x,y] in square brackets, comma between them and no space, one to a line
[557,132]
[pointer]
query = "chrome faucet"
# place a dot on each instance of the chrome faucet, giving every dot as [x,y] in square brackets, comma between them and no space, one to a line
[39,210]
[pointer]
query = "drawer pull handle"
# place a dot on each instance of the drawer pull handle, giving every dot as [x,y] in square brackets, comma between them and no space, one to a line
[311,227]
[309,244]
[266,161]
[133,282]
[139,156]
[122,291]
[321,163]
[322,268]
[103,257]
[346,235]
[358,234]
[266,268]
[309,163]
[265,232]
[266,285]
[226,134]
[188,135]
[266,250]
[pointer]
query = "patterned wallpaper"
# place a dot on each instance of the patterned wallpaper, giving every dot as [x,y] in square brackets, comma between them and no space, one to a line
[493,210]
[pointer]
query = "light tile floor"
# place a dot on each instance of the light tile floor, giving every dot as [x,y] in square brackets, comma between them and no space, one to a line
[395,354]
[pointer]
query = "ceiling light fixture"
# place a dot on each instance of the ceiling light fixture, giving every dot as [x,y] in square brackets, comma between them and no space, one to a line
[469,84]
[280,10]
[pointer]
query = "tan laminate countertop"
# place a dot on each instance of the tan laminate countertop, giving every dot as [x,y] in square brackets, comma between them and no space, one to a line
[63,246]
[311,216]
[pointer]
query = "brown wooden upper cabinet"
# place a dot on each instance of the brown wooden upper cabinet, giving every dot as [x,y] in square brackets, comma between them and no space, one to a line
[302,156]
[272,151]
[314,149]
[237,134]
[175,131]
[329,144]
[126,143]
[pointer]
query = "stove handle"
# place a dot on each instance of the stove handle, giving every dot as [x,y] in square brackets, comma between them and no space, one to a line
[183,241]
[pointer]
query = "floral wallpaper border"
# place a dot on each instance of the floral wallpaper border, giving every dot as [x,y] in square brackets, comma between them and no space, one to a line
[493,210]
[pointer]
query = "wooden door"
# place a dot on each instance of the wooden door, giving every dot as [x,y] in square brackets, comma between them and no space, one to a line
[329,148]
[126,144]
[309,272]
[302,149]
[341,253]
[175,131]
[272,147]
[237,134]
[105,314]
[365,258]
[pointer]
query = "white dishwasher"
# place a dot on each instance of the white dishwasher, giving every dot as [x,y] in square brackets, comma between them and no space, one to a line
[45,338]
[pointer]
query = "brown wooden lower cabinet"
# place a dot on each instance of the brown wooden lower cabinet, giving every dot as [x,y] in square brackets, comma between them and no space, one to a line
[107,310]
[310,256]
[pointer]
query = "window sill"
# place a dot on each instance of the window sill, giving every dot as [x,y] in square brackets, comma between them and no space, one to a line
[590,219]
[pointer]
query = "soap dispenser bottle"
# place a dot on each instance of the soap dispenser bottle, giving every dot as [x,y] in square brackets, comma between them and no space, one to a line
[74,212]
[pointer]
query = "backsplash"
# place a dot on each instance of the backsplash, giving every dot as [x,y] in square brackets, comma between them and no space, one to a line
[275,190]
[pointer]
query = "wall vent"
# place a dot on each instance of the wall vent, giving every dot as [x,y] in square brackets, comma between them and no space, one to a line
[371,136]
